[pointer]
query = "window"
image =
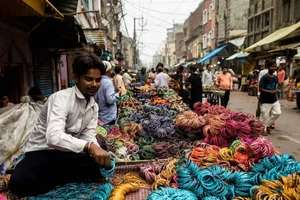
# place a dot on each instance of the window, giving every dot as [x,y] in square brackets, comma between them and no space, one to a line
[297,10]
[251,27]
[212,34]
[204,41]
[257,22]
[286,11]
[184,31]
[213,4]
[262,5]
[204,16]
[210,12]
[255,8]
[208,40]
[266,18]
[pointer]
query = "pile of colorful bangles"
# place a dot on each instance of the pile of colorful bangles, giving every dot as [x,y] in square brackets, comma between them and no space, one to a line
[210,153]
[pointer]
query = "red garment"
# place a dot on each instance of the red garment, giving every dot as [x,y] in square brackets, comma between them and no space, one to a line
[281,75]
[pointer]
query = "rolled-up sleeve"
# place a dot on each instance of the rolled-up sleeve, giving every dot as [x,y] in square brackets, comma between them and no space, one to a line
[56,123]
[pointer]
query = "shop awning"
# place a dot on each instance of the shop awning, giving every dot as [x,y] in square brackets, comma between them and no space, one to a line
[238,42]
[277,35]
[212,54]
[285,47]
[238,55]
[187,64]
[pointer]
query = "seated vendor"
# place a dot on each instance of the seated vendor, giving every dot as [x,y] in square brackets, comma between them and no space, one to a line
[62,147]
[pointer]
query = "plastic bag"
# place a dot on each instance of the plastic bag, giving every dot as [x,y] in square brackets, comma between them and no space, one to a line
[16,124]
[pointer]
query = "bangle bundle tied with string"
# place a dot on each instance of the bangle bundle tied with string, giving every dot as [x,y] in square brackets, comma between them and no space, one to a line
[157,101]
[189,122]
[157,126]
[124,184]
[205,108]
[284,188]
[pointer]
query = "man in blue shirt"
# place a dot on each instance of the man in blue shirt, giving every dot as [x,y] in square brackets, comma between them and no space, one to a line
[269,105]
[107,98]
[141,75]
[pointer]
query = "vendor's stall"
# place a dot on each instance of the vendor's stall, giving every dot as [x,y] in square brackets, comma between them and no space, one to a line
[163,150]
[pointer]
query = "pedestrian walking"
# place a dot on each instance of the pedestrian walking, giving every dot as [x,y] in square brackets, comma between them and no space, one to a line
[281,75]
[269,105]
[126,77]
[196,86]
[224,81]
[207,76]
[62,147]
[142,75]
[107,98]
[161,79]
[186,94]
[118,81]
[296,78]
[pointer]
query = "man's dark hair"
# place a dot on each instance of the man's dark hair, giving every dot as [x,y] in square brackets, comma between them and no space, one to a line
[193,68]
[167,70]
[269,62]
[208,65]
[34,92]
[125,70]
[186,84]
[181,68]
[159,69]
[118,69]
[85,62]
[224,67]
[159,65]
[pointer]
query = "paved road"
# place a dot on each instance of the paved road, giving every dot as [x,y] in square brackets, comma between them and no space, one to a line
[286,136]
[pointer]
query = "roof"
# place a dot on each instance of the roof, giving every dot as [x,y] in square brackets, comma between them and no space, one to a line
[285,47]
[277,35]
[212,54]
[238,42]
[65,6]
[97,36]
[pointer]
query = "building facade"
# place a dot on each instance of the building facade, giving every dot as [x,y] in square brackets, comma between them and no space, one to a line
[231,19]
[209,28]
[193,28]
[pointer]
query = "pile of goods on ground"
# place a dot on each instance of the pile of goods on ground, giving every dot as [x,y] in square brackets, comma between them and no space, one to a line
[210,153]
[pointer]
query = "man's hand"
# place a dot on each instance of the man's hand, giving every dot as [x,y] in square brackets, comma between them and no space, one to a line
[101,157]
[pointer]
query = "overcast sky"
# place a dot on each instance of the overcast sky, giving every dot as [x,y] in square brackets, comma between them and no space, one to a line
[158,16]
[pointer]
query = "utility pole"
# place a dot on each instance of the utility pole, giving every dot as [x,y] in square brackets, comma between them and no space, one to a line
[135,49]
[134,45]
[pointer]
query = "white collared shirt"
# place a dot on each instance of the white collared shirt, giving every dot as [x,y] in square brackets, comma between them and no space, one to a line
[207,78]
[66,123]
[161,80]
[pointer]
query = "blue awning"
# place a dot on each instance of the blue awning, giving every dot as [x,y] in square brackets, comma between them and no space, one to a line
[212,54]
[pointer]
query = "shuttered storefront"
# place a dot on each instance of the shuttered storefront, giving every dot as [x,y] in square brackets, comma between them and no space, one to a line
[43,73]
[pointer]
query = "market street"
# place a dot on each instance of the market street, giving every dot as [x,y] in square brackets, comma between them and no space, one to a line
[286,136]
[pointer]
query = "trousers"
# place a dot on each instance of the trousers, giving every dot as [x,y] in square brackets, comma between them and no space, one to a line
[298,100]
[269,113]
[41,171]
[225,98]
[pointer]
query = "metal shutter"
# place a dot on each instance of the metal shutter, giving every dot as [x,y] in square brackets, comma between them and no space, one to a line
[43,66]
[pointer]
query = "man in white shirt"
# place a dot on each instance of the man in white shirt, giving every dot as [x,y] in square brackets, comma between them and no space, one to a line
[126,77]
[161,79]
[207,76]
[62,147]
